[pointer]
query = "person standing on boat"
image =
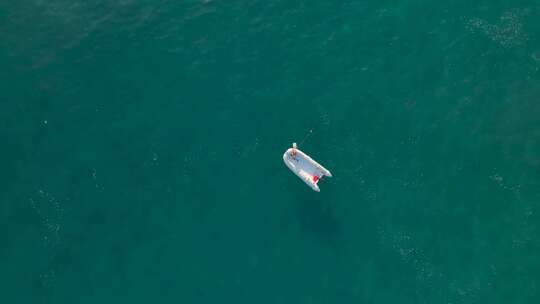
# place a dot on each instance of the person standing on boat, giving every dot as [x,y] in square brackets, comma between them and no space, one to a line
[293,151]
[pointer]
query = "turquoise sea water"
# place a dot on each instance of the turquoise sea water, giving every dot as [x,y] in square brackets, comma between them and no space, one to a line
[142,143]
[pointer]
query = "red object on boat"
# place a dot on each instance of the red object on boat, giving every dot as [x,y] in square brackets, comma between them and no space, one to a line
[315,178]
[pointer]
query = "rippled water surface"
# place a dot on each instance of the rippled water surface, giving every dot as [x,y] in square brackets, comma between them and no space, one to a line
[142,143]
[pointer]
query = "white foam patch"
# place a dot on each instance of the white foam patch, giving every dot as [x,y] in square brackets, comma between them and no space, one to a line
[427,275]
[250,148]
[50,213]
[501,182]
[48,278]
[403,245]
[507,31]
[324,118]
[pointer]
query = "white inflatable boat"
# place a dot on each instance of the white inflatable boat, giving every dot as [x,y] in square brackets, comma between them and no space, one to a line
[305,167]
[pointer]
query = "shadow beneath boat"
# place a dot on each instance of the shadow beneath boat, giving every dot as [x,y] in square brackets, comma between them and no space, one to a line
[317,219]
